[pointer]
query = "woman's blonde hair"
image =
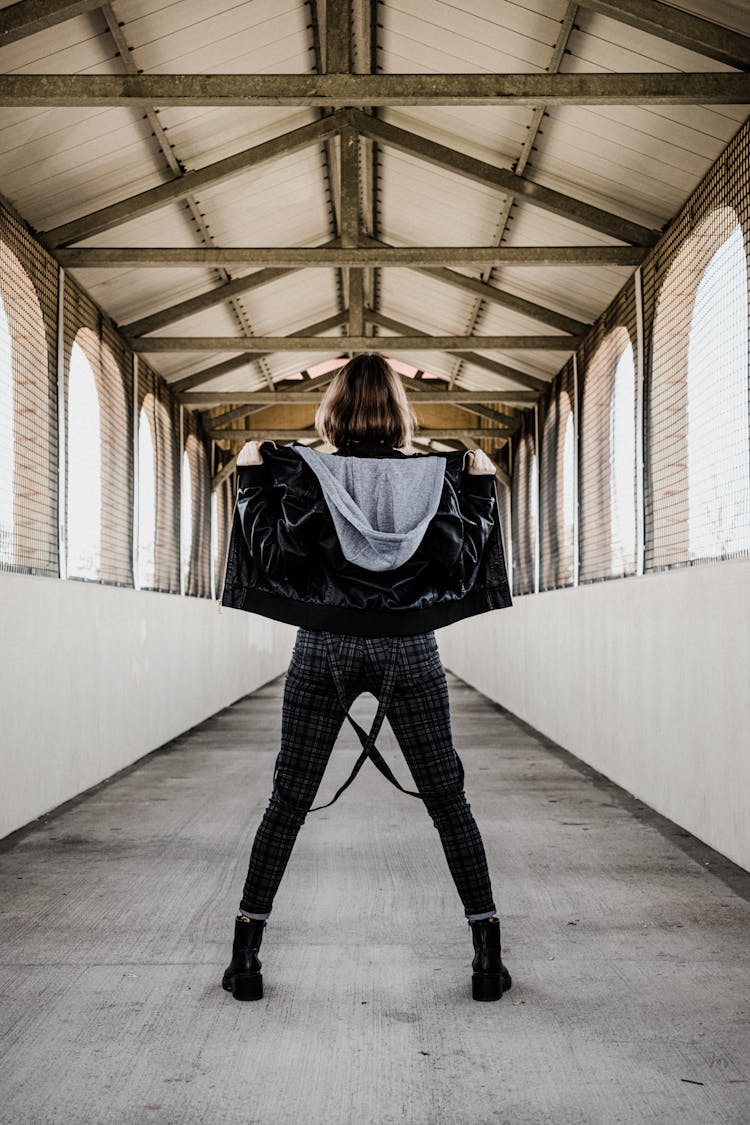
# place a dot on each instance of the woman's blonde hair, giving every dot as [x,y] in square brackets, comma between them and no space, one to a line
[366,399]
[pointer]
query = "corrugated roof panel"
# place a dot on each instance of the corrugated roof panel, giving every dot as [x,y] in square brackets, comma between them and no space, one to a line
[282,203]
[477,378]
[438,363]
[68,47]
[282,365]
[292,302]
[248,378]
[490,133]
[578,291]
[428,304]
[733,13]
[202,135]
[464,38]
[191,37]
[494,320]
[128,294]
[69,173]
[421,205]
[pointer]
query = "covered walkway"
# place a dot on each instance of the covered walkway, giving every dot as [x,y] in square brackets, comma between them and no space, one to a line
[626,937]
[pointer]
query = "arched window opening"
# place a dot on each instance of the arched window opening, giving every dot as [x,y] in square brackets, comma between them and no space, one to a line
[186,518]
[555,527]
[698,498]
[146,556]
[607,462]
[622,453]
[28,422]
[7,440]
[718,408]
[83,484]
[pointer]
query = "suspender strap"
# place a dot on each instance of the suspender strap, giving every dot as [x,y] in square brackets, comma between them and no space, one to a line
[367,740]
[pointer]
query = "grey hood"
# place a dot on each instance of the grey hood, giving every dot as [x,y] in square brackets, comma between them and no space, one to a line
[380,506]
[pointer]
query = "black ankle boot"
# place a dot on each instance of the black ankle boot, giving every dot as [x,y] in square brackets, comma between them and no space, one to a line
[490,977]
[242,977]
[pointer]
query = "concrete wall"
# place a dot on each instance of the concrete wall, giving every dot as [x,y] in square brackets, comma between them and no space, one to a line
[94,677]
[646,678]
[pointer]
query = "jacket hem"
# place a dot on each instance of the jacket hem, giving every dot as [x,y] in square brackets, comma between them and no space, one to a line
[365,622]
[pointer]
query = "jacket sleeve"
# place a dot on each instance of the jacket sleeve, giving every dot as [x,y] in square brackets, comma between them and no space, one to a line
[278,541]
[456,542]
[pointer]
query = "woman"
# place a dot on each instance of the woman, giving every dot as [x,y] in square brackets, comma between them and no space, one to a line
[365,413]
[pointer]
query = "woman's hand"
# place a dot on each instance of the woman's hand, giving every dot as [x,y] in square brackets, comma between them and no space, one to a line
[250,454]
[480,464]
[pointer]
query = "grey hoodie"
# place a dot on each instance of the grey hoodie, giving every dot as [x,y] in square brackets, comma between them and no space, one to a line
[380,506]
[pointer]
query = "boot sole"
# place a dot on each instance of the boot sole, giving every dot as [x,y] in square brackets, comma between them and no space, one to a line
[245,986]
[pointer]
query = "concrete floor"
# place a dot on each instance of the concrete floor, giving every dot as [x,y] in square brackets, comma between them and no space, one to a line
[627,939]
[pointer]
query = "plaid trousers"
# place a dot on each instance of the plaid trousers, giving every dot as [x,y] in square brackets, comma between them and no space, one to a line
[318,692]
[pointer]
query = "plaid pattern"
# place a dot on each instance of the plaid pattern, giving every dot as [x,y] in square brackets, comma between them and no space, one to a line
[418,711]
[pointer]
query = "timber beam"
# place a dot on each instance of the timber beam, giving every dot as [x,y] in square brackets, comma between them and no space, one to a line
[334,91]
[259,434]
[429,394]
[126,257]
[153,344]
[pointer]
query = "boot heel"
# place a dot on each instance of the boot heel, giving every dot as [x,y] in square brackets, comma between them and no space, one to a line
[247,986]
[486,986]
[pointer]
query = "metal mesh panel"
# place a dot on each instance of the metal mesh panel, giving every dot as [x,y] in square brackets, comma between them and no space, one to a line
[101,554]
[28,403]
[155,397]
[607,466]
[198,577]
[696,417]
[522,507]
[555,483]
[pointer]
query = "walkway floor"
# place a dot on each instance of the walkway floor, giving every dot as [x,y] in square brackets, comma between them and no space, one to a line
[626,937]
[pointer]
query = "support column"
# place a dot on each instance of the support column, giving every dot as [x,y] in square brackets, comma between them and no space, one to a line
[62,431]
[640,495]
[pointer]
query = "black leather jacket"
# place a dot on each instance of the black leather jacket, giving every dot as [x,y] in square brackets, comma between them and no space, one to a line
[284,559]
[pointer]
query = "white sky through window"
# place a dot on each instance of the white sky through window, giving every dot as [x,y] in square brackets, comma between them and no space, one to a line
[718,444]
[84,484]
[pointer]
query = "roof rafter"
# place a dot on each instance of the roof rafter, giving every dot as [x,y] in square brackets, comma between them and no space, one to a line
[216,296]
[153,198]
[223,368]
[491,294]
[706,37]
[504,179]
[531,382]
[30,16]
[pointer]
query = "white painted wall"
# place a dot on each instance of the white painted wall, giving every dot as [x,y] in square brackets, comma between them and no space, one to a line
[647,679]
[94,677]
